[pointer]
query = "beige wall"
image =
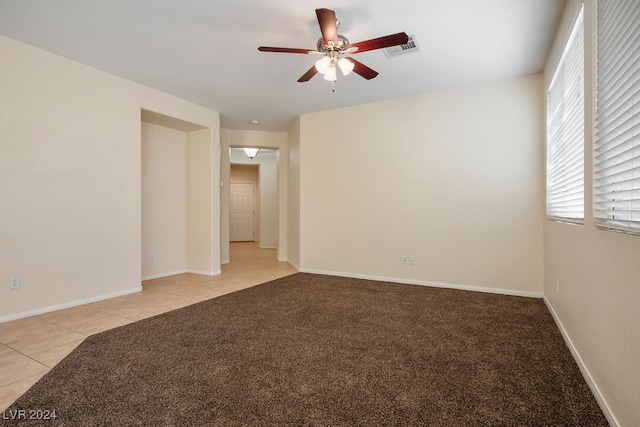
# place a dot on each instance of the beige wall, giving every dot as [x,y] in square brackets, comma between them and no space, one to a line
[269,209]
[269,203]
[453,179]
[598,273]
[71,171]
[260,139]
[164,201]
[203,224]
[293,194]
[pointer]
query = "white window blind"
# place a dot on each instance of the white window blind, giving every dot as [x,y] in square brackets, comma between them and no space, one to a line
[617,116]
[565,132]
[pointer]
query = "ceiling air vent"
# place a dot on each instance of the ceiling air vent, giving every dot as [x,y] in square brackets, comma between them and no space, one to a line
[403,49]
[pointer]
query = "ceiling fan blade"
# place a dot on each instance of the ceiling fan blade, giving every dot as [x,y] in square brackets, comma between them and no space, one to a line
[328,25]
[363,70]
[308,75]
[380,42]
[285,50]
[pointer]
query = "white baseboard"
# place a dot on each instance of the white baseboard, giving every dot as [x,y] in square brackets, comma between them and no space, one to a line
[173,273]
[161,275]
[268,247]
[585,372]
[70,304]
[502,291]
[205,273]
[225,261]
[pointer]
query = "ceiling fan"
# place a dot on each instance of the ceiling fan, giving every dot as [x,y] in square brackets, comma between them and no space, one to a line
[333,47]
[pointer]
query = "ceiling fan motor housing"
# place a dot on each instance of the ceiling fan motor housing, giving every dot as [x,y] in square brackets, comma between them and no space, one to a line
[343,42]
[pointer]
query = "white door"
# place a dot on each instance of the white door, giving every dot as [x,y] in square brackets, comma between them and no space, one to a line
[242,212]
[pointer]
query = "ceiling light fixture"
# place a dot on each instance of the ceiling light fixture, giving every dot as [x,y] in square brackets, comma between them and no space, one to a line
[331,60]
[323,64]
[330,74]
[346,66]
[251,152]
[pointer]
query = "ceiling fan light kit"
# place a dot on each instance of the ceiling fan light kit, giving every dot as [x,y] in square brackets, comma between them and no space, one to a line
[327,66]
[346,66]
[330,74]
[334,47]
[323,64]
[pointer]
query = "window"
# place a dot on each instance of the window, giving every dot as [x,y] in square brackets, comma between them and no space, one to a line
[565,132]
[617,116]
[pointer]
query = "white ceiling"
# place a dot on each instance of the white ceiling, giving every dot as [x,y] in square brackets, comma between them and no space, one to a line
[206,51]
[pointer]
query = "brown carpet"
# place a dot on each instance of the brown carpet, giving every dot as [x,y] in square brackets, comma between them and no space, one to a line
[318,350]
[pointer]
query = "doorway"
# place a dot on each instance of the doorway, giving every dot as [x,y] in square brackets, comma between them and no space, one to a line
[268,182]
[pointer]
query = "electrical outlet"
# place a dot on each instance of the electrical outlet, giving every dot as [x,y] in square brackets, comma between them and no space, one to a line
[159,255]
[405,259]
[14,283]
[412,260]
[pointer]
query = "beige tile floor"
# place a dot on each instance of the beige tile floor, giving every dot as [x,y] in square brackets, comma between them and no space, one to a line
[30,347]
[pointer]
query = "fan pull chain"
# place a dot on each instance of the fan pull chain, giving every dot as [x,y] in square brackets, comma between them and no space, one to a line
[333,90]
